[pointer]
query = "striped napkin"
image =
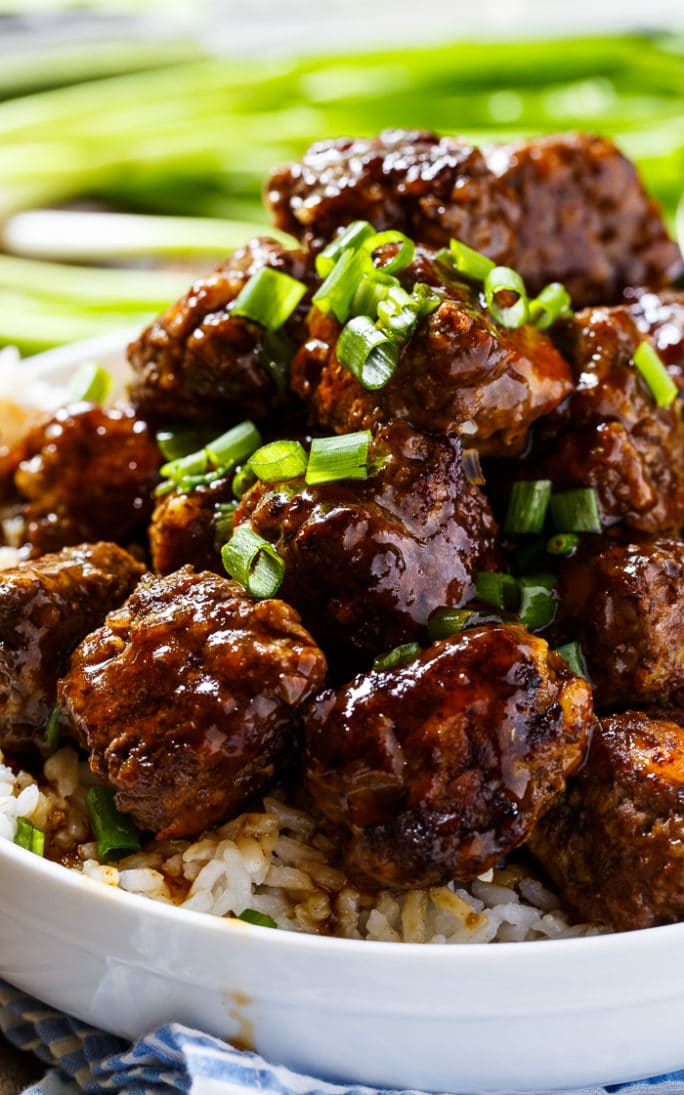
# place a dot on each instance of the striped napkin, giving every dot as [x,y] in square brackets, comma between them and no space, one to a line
[81,1059]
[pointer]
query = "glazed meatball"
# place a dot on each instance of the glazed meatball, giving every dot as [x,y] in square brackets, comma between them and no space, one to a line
[439,768]
[46,608]
[660,317]
[86,474]
[461,373]
[565,208]
[625,604]
[609,434]
[612,844]
[366,561]
[198,363]
[185,527]
[187,699]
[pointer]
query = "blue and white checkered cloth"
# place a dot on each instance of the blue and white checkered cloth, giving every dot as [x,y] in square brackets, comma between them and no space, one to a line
[81,1059]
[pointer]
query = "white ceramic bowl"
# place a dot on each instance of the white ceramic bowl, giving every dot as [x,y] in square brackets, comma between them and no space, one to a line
[477,1019]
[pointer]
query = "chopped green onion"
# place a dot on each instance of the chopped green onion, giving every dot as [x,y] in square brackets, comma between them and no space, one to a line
[527,506]
[662,386]
[500,590]
[352,237]
[401,655]
[537,601]
[472,264]
[242,481]
[572,655]
[339,457]
[253,562]
[90,384]
[278,461]
[176,443]
[269,298]
[563,543]
[337,291]
[501,279]
[371,290]
[262,920]
[550,304]
[115,833]
[195,463]
[29,837]
[52,729]
[444,622]
[400,313]
[576,510]
[224,514]
[234,446]
[403,257]
[370,355]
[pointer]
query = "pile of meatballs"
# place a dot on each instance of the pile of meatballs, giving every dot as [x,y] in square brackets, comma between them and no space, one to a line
[191,697]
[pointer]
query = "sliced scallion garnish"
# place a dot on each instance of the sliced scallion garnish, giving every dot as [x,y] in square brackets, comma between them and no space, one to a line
[500,282]
[472,264]
[52,729]
[29,837]
[661,385]
[369,354]
[116,833]
[90,384]
[337,291]
[253,916]
[253,562]
[224,515]
[537,600]
[269,298]
[401,655]
[195,463]
[403,257]
[444,622]
[500,590]
[174,444]
[242,481]
[527,506]
[572,655]
[371,291]
[563,543]
[278,461]
[234,446]
[576,510]
[550,304]
[339,457]
[352,237]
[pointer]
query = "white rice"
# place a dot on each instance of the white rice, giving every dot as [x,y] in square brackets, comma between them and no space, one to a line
[279,863]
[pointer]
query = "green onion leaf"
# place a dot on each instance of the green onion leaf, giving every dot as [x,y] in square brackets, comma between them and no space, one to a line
[234,446]
[403,257]
[195,463]
[278,461]
[337,291]
[537,601]
[242,481]
[252,916]
[352,237]
[369,354]
[662,386]
[572,655]
[468,262]
[253,562]
[563,543]
[444,622]
[269,298]
[90,384]
[224,514]
[115,833]
[400,313]
[371,291]
[29,837]
[401,655]
[52,729]
[552,303]
[339,457]
[527,506]
[576,510]
[501,280]
[174,444]
[500,590]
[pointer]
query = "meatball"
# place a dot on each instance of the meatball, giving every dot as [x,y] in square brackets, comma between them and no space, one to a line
[439,768]
[610,435]
[660,317]
[198,363]
[86,474]
[46,608]
[461,373]
[625,604]
[612,844]
[366,561]
[185,525]
[567,208]
[187,699]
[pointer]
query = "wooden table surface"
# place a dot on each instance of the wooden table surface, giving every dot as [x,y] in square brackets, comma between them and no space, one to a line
[17,1070]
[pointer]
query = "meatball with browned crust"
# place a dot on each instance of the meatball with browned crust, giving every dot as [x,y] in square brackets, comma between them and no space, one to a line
[199,363]
[660,317]
[625,604]
[461,373]
[46,608]
[609,434]
[367,560]
[567,208]
[185,527]
[613,844]
[187,699]
[85,474]
[439,768]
